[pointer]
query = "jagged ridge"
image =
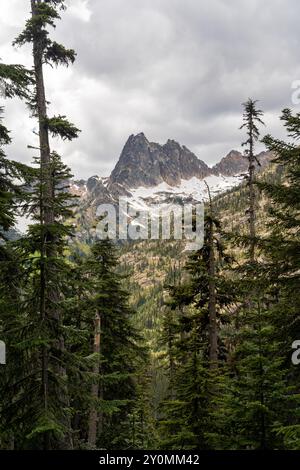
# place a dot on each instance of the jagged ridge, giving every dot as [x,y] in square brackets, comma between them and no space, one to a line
[145,164]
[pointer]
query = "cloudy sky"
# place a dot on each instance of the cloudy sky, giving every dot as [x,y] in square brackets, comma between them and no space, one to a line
[171,68]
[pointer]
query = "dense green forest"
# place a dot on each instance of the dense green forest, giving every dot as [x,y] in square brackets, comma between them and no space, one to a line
[143,345]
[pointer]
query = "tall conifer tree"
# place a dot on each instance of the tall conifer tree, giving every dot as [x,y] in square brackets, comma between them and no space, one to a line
[252,117]
[42,334]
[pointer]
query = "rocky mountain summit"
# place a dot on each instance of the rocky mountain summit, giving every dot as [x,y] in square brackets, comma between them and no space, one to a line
[235,163]
[151,175]
[144,163]
[148,164]
[148,171]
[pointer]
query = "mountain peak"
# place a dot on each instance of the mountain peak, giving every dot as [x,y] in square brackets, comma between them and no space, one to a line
[140,137]
[172,143]
[148,164]
[144,163]
[233,163]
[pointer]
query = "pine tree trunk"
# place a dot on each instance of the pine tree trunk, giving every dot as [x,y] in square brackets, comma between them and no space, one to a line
[93,418]
[42,117]
[263,439]
[252,199]
[171,359]
[213,331]
[48,250]
[44,210]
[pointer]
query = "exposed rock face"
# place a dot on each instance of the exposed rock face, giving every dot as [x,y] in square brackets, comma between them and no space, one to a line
[98,190]
[232,164]
[144,163]
[265,158]
[186,163]
[148,164]
[236,163]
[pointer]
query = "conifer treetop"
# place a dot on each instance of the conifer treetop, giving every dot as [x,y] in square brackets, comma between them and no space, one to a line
[44,15]
[252,117]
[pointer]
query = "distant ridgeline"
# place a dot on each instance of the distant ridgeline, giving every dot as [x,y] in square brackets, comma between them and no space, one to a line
[149,174]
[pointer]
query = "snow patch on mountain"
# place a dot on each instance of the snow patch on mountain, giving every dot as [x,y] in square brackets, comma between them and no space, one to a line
[193,189]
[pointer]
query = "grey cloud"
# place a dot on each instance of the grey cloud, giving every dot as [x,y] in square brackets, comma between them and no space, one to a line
[171,68]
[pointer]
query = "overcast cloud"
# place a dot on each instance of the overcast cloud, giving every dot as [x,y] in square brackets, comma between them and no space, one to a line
[171,68]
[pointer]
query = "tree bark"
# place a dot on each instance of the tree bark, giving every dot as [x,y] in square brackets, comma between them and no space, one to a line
[94,416]
[44,211]
[213,331]
[41,103]
[47,218]
[252,197]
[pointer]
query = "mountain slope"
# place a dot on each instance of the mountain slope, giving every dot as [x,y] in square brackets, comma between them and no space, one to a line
[149,173]
[144,163]
[235,163]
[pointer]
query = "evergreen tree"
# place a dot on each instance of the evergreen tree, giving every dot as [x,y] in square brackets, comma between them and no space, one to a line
[259,395]
[41,335]
[6,193]
[14,81]
[8,265]
[186,423]
[257,398]
[282,246]
[117,353]
[252,118]
[35,390]
[212,307]
[282,251]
